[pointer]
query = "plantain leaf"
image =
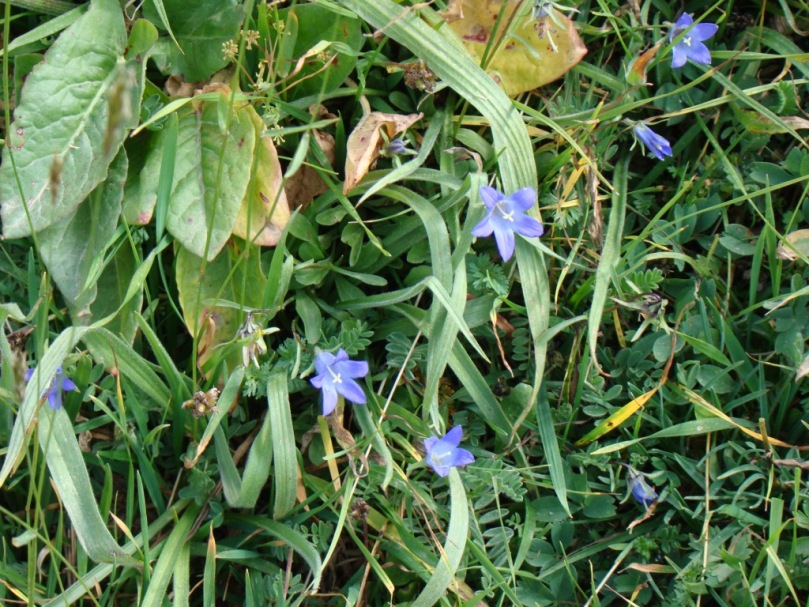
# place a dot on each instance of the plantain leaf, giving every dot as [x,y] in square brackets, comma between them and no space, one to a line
[211,173]
[202,287]
[75,109]
[71,246]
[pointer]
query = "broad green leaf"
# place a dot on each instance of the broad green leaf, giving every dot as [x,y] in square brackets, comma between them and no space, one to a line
[75,109]
[142,37]
[211,173]
[71,247]
[225,279]
[534,52]
[200,30]
[315,25]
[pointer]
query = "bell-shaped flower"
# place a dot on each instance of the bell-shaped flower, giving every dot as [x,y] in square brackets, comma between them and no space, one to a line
[444,453]
[656,144]
[336,375]
[690,46]
[506,216]
[642,492]
[60,383]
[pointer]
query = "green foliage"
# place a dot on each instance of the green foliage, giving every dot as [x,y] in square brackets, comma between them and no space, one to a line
[178,238]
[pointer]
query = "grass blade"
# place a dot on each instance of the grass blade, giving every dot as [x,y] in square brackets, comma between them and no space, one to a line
[453,550]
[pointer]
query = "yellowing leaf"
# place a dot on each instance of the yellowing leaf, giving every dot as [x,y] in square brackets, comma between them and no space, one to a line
[795,244]
[364,143]
[264,211]
[617,418]
[532,53]
[636,73]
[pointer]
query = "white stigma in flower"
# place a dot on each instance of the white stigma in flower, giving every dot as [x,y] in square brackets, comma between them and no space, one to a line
[507,216]
[336,377]
[687,41]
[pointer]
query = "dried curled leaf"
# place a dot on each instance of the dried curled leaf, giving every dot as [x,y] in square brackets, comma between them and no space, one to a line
[795,244]
[534,52]
[365,140]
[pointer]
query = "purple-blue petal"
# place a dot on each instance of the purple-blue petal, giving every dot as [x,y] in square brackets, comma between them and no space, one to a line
[461,457]
[439,470]
[317,381]
[329,399]
[28,374]
[523,199]
[341,356]
[351,368]
[429,444]
[704,31]
[642,492]
[323,361]
[351,390]
[67,384]
[489,196]
[454,436]
[505,241]
[55,399]
[700,54]
[679,55]
[528,226]
[683,22]
[484,228]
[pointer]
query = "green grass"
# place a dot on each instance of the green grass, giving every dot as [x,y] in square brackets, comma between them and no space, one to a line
[658,327]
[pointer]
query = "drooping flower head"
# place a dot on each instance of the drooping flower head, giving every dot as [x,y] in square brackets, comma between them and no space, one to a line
[397,147]
[60,383]
[336,375]
[642,492]
[691,44]
[656,144]
[506,216]
[444,453]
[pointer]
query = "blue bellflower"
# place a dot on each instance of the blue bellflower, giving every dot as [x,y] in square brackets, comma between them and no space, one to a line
[657,145]
[507,216]
[60,383]
[642,492]
[336,375]
[397,147]
[444,453]
[690,45]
